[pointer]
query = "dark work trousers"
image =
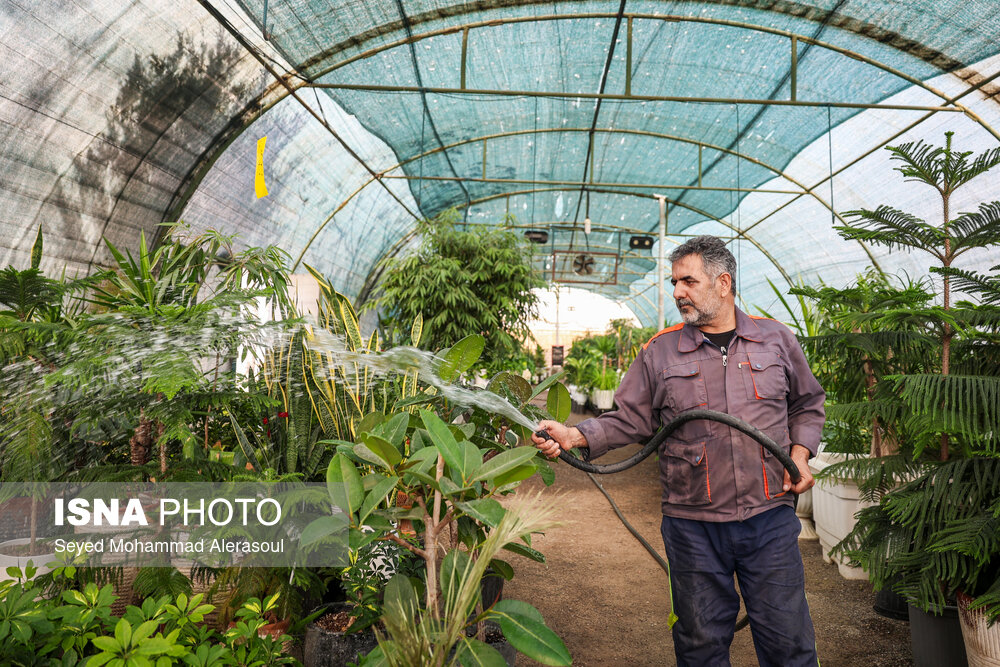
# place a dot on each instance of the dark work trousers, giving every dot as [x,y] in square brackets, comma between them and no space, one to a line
[763,553]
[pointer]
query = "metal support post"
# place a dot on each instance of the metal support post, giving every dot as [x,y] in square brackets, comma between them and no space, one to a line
[661,258]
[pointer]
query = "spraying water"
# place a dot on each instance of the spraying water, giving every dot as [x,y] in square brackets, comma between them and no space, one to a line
[400,360]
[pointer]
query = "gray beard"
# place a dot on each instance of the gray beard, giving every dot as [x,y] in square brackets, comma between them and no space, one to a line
[698,318]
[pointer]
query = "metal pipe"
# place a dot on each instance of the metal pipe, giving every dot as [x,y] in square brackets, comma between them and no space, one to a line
[661,258]
[795,66]
[528,181]
[437,90]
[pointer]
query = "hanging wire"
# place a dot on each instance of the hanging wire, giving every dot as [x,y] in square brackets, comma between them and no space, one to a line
[739,202]
[423,99]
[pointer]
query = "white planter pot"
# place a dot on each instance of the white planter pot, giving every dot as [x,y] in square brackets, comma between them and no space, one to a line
[982,643]
[604,399]
[21,562]
[833,507]
[804,510]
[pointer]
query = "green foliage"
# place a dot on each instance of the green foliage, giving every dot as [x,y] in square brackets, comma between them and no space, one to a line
[933,382]
[416,635]
[473,280]
[411,479]
[78,628]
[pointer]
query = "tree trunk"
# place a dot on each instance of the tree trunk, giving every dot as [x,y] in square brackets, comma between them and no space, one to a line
[140,442]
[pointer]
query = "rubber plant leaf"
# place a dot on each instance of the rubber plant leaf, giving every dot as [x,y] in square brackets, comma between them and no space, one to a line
[525,629]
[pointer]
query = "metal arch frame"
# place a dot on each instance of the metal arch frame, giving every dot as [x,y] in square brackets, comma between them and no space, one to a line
[255,110]
[486,138]
[814,14]
[794,37]
[374,272]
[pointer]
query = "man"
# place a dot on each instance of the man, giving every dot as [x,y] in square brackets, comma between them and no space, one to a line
[727,502]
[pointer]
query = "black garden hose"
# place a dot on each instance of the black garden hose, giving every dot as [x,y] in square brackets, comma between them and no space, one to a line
[653,444]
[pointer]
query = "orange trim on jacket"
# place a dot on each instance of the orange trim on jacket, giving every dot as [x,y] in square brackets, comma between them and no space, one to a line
[661,332]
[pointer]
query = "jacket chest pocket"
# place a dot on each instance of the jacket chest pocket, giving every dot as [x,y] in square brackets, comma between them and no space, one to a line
[685,387]
[764,376]
[687,473]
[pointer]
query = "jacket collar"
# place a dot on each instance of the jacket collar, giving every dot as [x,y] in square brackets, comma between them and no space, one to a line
[692,337]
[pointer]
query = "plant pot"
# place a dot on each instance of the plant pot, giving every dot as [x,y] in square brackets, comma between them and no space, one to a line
[834,504]
[329,648]
[491,588]
[891,604]
[936,639]
[982,642]
[40,561]
[495,638]
[804,510]
[604,399]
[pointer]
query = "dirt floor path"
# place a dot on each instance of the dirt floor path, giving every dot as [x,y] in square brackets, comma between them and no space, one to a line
[607,598]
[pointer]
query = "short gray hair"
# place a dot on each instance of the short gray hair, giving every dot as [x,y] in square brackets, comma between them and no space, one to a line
[714,254]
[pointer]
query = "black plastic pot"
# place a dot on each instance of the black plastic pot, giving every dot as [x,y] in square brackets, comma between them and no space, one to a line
[491,588]
[891,604]
[936,639]
[324,648]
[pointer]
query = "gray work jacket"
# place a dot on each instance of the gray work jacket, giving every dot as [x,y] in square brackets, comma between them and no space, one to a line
[709,471]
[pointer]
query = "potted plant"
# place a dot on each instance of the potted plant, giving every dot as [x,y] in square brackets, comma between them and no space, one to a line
[936,534]
[851,352]
[603,394]
[430,487]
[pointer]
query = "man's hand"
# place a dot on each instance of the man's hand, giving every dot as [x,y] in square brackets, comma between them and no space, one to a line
[560,437]
[800,455]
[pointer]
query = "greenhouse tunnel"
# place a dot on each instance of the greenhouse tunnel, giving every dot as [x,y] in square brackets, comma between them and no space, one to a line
[761,121]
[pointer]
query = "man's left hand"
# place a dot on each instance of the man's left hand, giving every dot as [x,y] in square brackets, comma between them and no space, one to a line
[800,455]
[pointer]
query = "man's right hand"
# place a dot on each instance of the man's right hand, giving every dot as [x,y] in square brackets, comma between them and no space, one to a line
[560,437]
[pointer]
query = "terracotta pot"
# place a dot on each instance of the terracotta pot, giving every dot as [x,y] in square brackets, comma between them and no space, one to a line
[982,642]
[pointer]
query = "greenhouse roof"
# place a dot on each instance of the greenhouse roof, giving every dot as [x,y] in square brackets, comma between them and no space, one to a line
[757,120]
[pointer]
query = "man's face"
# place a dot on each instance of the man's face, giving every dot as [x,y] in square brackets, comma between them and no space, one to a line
[695,293]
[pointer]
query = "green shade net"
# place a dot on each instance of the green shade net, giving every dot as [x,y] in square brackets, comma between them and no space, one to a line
[117,118]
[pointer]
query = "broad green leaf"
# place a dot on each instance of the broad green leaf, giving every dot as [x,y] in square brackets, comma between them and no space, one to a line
[527,552]
[545,471]
[454,568]
[401,599]
[510,386]
[502,568]
[518,474]
[376,496]
[449,488]
[483,510]
[365,454]
[504,461]
[394,430]
[123,633]
[524,627]
[444,440]
[380,446]
[474,653]
[344,484]
[558,402]
[322,527]
[472,458]
[370,422]
[459,357]
[106,644]
[544,384]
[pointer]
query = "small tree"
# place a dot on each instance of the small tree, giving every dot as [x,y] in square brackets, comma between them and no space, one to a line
[476,280]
